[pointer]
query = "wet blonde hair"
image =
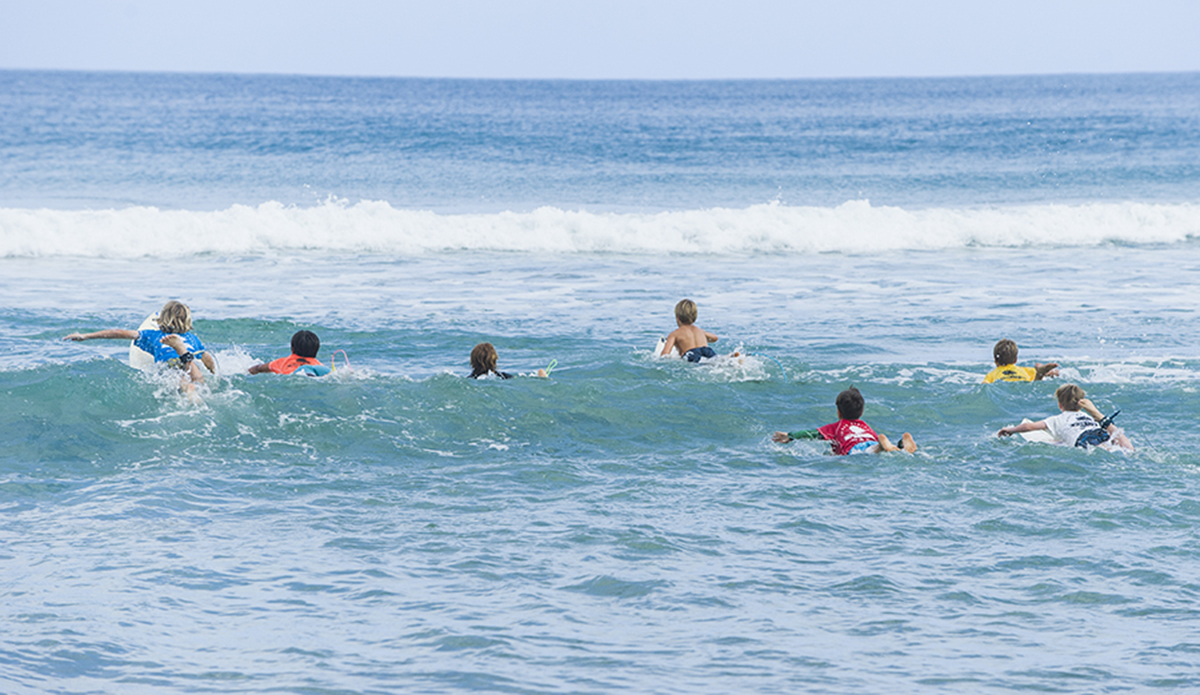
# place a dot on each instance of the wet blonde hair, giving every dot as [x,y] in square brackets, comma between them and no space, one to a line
[175,317]
[1068,396]
[685,312]
[483,359]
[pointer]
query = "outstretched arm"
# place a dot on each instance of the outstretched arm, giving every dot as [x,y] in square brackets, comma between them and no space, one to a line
[108,334]
[260,368]
[1041,371]
[1023,427]
[710,337]
[785,437]
[209,362]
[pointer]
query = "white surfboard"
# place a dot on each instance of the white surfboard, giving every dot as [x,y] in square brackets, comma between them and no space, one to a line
[1040,436]
[719,359]
[139,358]
[659,348]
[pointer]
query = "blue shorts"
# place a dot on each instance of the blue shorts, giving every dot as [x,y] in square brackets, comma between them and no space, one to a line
[1092,437]
[695,354]
[863,448]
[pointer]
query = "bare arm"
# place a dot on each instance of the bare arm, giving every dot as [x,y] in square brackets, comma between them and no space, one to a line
[108,334]
[1090,408]
[1023,427]
[710,337]
[668,346]
[180,347]
[260,368]
[209,363]
[1041,371]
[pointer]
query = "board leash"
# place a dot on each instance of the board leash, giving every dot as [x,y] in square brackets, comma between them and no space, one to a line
[550,367]
[333,360]
[781,369]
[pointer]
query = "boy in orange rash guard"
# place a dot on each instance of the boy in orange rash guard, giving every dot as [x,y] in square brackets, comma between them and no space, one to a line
[305,345]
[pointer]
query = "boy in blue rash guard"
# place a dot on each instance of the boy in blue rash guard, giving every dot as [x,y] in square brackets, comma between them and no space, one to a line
[690,340]
[173,343]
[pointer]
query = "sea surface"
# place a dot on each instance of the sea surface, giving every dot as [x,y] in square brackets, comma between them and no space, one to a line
[625,525]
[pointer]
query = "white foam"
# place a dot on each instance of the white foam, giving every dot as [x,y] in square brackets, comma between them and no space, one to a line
[377,227]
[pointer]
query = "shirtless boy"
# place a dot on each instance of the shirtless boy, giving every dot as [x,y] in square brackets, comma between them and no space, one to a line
[690,340]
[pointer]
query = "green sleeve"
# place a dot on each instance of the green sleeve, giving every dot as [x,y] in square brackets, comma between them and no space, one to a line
[805,434]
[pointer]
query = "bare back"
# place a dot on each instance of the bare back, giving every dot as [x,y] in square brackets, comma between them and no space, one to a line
[686,338]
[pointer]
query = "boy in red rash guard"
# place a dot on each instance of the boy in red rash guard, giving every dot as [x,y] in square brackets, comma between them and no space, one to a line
[305,345]
[850,435]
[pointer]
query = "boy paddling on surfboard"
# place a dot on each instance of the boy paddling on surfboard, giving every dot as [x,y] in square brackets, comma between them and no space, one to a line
[483,363]
[1079,424]
[1005,354]
[173,342]
[690,340]
[850,435]
[303,360]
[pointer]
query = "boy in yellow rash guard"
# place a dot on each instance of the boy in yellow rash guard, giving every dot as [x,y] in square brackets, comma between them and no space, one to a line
[1005,354]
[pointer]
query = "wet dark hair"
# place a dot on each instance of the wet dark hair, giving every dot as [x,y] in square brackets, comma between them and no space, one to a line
[1005,353]
[850,404]
[305,344]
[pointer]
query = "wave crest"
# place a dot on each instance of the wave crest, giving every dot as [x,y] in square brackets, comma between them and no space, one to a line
[377,227]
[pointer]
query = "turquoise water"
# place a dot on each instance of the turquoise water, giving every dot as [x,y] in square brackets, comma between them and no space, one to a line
[627,524]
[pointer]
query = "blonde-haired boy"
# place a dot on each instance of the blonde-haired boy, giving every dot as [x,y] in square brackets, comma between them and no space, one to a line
[1079,424]
[173,343]
[690,340]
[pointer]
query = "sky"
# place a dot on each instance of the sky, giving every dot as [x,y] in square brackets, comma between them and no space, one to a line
[604,39]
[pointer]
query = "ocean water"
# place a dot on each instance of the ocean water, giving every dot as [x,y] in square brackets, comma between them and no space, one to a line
[626,524]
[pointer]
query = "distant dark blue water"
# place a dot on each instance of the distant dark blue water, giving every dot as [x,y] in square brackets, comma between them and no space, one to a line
[209,141]
[627,524]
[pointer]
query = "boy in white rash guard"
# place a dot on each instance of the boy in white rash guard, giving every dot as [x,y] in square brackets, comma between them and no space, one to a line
[1079,424]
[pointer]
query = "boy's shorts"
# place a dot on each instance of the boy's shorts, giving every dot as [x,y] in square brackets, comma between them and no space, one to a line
[696,353]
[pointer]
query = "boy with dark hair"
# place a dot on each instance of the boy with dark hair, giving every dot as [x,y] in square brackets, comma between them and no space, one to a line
[850,435]
[690,340]
[303,360]
[1005,355]
[1079,424]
